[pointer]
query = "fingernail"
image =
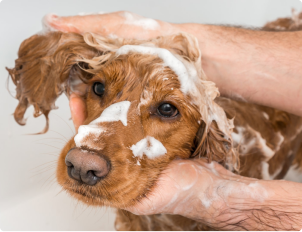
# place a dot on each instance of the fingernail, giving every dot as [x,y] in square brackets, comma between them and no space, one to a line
[54,16]
[49,22]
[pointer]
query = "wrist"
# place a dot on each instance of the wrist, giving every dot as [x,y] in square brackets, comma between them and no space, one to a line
[202,201]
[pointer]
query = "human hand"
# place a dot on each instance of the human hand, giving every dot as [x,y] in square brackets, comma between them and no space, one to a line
[121,24]
[195,189]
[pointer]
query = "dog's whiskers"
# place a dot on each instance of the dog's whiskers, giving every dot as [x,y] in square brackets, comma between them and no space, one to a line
[60,135]
[49,139]
[51,153]
[72,131]
[49,145]
[46,181]
[42,165]
[44,170]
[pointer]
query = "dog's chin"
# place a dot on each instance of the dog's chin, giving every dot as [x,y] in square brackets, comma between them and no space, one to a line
[81,193]
[87,198]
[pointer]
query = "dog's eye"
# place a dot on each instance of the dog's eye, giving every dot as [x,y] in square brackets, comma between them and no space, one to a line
[98,88]
[167,110]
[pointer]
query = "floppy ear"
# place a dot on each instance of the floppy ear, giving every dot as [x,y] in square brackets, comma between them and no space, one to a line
[214,145]
[182,44]
[44,64]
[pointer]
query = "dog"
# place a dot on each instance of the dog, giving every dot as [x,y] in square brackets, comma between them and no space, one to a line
[148,103]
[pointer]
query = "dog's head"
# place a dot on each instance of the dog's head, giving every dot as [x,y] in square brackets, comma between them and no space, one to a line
[148,103]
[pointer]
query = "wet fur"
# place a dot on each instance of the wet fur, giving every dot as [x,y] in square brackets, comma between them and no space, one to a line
[56,62]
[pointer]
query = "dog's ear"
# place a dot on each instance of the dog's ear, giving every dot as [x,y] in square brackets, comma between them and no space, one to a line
[213,144]
[42,70]
[182,44]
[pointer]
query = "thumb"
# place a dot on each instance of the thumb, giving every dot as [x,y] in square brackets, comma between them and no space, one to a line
[77,109]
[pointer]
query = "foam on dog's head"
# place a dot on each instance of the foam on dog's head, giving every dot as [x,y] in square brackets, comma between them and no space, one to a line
[191,82]
[149,146]
[145,23]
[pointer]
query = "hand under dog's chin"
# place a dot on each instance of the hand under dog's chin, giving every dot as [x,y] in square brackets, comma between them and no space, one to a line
[97,197]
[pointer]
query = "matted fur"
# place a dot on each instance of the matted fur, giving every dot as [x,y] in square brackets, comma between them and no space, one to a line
[56,62]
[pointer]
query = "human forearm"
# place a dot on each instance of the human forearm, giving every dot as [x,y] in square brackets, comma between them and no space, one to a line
[280,209]
[239,203]
[257,66]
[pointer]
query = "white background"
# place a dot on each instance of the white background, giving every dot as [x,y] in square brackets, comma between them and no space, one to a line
[29,198]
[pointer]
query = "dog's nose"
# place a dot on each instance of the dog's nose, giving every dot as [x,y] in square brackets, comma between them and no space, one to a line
[85,166]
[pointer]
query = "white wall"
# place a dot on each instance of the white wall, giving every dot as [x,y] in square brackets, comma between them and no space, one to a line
[28,198]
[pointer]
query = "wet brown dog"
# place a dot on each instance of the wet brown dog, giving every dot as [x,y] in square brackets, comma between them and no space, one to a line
[148,103]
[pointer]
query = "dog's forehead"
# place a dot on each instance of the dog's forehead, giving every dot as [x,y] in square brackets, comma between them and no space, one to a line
[133,74]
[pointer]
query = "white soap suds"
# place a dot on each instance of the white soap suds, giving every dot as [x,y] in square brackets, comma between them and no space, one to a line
[265,115]
[45,25]
[267,151]
[112,36]
[298,131]
[265,171]
[224,189]
[281,139]
[84,131]
[186,81]
[255,140]
[238,137]
[206,202]
[149,146]
[115,112]
[145,23]
[295,17]
[212,167]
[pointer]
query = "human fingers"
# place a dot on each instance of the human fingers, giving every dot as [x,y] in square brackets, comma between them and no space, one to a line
[77,109]
[121,24]
[95,23]
[174,185]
